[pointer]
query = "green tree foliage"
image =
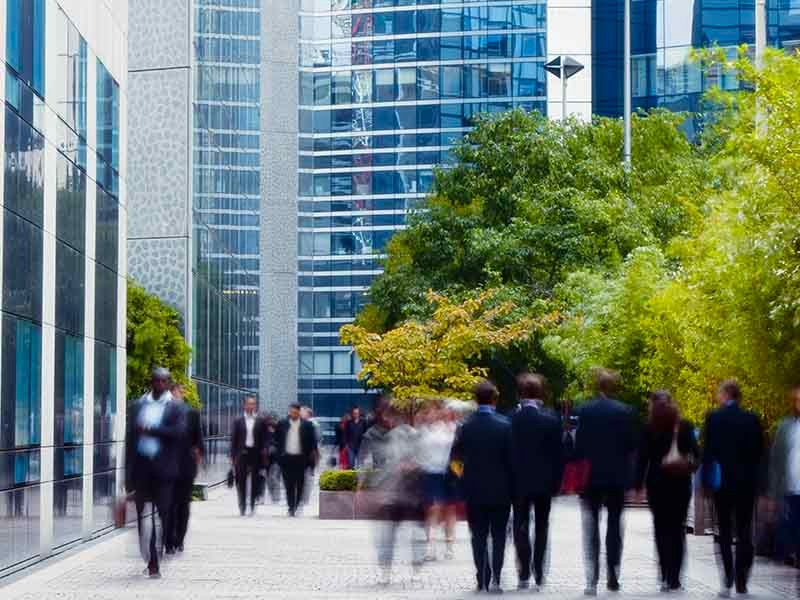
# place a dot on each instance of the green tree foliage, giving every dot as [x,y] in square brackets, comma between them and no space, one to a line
[154,339]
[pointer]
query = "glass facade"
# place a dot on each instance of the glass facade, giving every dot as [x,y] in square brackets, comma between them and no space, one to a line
[663,33]
[226,214]
[47,227]
[386,88]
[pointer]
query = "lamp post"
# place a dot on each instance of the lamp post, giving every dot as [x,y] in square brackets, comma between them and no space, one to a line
[626,117]
[563,67]
[761,46]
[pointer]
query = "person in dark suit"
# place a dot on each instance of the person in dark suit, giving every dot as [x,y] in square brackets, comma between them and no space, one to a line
[538,461]
[483,447]
[190,456]
[248,453]
[669,482]
[606,440]
[733,447]
[296,444]
[155,428]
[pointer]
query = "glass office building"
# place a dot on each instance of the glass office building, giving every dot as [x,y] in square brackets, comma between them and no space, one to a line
[663,34]
[225,209]
[386,87]
[62,355]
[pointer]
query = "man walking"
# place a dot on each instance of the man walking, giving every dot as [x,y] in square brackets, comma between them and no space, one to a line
[733,450]
[155,428]
[190,456]
[606,439]
[537,452]
[355,429]
[296,442]
[784,480]
[248,453]
[483,447]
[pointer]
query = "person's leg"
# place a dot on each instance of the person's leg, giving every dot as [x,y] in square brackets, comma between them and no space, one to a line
[142,523]
[590,504]
[478,521]
[745,551]
[791,525]
[255,484]
[499,524]
[724,509]
[542,515]
[286,472]
[678,526]
[164,493]
[183,501]
[615,502]
[241,481]
[300,474]
[522,537]
[657,509]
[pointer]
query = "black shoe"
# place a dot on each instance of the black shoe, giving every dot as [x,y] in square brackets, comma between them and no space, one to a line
[613,585]
[741,589]
[180,547]
[170,550]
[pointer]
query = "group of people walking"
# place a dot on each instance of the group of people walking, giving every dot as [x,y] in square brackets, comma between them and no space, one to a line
[164,447]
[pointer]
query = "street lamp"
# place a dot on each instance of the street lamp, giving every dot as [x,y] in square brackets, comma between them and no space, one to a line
[563,67]
[626,109]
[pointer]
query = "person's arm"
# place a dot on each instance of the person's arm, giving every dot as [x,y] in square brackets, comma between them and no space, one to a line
[559,457]
[131,439]
[643,461]
[172,426]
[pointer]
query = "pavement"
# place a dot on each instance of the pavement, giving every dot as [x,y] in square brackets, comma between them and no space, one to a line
[271,556]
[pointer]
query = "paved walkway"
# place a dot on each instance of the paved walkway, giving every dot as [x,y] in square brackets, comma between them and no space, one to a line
[271,556]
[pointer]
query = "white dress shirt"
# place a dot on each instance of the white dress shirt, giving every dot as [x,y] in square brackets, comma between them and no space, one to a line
[150,417]
[249,425]
[293,446]
[793,461]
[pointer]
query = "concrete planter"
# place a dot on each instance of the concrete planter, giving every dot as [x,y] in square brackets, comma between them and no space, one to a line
[337,505]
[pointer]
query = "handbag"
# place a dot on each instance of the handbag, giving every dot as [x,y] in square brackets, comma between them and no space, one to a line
[676,462]
[231,478]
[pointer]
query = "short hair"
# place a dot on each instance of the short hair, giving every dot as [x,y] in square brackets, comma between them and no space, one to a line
[730,387]
[294,405]
[160,373]
[606,381]
[531,386]
[176,386]
[486,392]
[250,397]
[355,407]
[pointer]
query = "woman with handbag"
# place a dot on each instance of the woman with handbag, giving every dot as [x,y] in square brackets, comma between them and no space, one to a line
[668,456]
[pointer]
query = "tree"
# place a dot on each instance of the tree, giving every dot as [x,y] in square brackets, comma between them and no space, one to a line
[154,339]
[440,356]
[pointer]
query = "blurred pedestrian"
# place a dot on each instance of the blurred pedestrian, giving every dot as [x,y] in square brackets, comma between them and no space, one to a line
[308,415]
[341,441]
[296,442]
[731,461]
[152,445]
[355,428]
[372,454]
[784,481]
[483,449]
[668,456]
[606,440]
[190,457]
[538,466]
[436,435]
[248,453]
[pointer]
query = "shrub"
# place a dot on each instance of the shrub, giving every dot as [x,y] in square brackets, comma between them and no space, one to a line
[338,481]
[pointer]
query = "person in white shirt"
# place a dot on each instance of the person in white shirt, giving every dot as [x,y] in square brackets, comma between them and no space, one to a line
[297,448]
[785,480]
[248,453]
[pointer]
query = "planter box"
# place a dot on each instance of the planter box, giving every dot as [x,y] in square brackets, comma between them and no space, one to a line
[337,505]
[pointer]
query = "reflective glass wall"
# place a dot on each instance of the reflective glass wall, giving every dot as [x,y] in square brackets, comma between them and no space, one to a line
[663,33]
[59,370]
[226,198]
[386,88]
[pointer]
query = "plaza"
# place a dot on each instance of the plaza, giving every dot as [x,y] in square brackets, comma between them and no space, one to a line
[271,556]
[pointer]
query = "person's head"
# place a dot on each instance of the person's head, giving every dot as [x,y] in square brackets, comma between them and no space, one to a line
[159,381]
[306,413]
[294,411]
[607,382]
[729,391]
[663,411]
[486,393]
[355,413]
[530,386]
[250,405]
[794,397]
[177,392]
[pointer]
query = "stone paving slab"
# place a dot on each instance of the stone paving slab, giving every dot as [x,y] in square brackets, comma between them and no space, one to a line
[271,556]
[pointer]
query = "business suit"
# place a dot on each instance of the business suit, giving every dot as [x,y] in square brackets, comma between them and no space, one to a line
[248,459]
[606,439]
[538,463]
[294,464]
[152,477]
[734,440]
[483,446]
[190,445]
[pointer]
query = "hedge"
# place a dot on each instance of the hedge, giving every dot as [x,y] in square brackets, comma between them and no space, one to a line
[338,481]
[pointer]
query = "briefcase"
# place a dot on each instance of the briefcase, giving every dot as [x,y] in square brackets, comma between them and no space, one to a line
[231,478]
[121,511]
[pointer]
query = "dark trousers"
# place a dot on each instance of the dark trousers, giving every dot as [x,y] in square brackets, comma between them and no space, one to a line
[613,499]
[522,537]
[484,521]
[737,505]
[153,528]
[789,528]
[669,508]
[180,512]
[247,465]
[293,468]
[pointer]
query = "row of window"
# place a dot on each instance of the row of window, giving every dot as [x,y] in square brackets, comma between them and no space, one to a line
[345,242]
[410,181]
[432,49]
[227,21]
[366,141]
[378,159]
[326,305]
[327,363]
[347,280]
[229,83]
[365,204]
[336,5]
[236,51]
[424,83]
[432,20]
[341,264]
[352,220]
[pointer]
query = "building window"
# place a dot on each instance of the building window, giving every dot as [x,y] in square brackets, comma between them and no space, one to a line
[20,418]
[25,41]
